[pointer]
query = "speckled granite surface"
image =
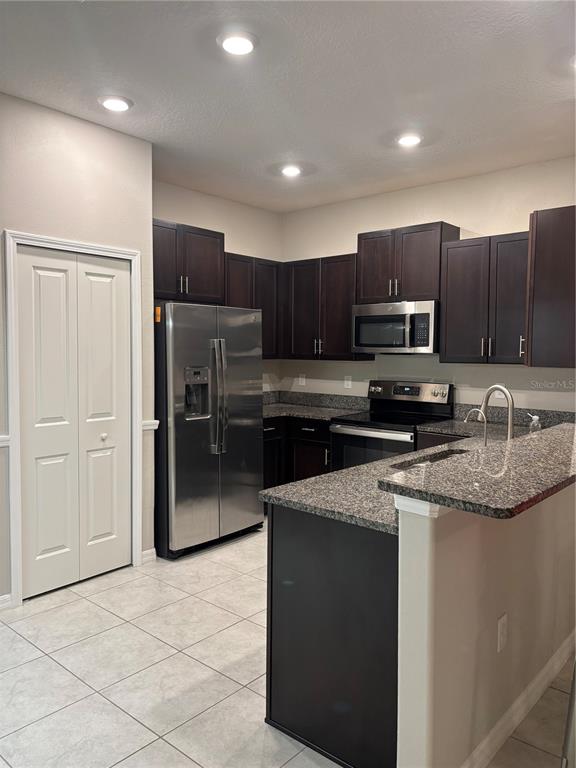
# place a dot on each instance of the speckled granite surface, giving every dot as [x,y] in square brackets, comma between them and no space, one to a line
[350,495]
[501,480]
[449,427]
[497,414]
[470,429]
[303,411]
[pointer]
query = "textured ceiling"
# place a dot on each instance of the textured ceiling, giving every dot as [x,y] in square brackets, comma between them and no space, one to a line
[488,84]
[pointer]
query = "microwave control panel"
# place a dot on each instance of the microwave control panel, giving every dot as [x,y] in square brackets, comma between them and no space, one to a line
[420,330]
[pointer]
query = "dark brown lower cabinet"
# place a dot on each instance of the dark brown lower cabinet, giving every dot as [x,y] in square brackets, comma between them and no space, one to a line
[294,449]
[274,468]
[332,661]
[309,459]
[551,294]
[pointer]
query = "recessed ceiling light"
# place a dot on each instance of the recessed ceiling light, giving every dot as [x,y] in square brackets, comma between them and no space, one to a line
[291,171]
[116,103]
[409,140]
[237,45]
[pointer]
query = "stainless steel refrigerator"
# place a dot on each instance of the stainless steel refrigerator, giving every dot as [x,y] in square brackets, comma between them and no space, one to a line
[208,398]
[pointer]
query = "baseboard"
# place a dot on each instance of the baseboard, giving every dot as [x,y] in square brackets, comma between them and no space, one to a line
[5,601]
[505,727]
[148,555]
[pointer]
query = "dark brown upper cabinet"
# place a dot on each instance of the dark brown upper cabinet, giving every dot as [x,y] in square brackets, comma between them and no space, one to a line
[417,260]
[304,308]
[201,254]
[507,312]
[167,284]
[188,263]
[266,299]
[551,299]
[401,264]
[464,301]
[375,267]
[337,284]
[239,280]
[317,308]
[483,299]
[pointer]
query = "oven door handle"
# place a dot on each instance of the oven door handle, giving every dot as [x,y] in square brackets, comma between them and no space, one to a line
[378,434]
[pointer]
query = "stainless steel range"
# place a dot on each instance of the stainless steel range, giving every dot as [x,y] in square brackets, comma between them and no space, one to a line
[389,427]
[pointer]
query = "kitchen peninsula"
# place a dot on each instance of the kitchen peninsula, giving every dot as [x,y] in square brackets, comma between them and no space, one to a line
[419,606]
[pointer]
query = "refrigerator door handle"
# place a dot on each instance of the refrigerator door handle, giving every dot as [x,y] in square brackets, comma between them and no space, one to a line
[224,368]
[216,413]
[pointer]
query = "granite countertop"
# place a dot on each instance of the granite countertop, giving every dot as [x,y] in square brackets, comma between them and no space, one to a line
[496,431]
[500,480]
[350,495]
[448,427]
[304,411]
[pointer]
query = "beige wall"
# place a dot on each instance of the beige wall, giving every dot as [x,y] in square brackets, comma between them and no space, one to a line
[545,388]
[248,230]
[68,178]
[459,574]
[490,204]
[481,205]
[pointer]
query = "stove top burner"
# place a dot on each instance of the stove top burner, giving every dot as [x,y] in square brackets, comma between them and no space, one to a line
[403,422]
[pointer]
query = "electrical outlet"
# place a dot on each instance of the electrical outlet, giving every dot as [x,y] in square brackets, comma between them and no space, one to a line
[301,379]
[347,382]
[499,395]
[502,632]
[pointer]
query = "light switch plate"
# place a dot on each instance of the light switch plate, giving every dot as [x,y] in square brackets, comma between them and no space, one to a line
[347,382]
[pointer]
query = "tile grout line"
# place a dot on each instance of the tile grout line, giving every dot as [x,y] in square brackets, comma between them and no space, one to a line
[69,645]
[94,691]
[539,749]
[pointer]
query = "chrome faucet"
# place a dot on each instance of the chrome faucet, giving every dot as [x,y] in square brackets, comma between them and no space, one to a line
[484,406]
[480,414]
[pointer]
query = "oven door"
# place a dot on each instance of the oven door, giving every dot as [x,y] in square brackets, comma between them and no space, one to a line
[352,446]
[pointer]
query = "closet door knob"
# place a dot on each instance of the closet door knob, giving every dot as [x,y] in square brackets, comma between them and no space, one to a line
[103,436]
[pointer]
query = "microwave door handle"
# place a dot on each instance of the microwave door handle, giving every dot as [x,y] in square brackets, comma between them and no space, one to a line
[378,434]
[407,331]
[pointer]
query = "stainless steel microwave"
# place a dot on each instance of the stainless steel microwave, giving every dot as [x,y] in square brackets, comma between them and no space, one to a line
[399,327]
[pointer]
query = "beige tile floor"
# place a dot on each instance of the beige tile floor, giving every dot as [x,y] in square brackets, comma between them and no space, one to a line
[164,667]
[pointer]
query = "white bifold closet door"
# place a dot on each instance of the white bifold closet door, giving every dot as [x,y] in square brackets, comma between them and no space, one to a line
[74,346]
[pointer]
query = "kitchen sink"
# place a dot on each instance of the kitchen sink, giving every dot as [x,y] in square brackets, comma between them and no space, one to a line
[431,459]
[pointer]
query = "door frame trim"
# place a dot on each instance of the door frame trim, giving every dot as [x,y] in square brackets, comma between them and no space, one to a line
[12,241]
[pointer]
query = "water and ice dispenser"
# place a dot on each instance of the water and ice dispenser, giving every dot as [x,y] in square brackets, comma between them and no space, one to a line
[196,393]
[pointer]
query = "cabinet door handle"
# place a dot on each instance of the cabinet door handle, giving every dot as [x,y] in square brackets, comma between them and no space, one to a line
[315,346]
[181,283]
[521,349]
[320,346]
[326,458]
[482,345]
[390,287]
[395,286]
[269,429]
[308,429]
[186,283]
[489,346]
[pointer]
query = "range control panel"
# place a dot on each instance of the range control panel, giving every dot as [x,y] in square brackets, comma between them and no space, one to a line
[415,391]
